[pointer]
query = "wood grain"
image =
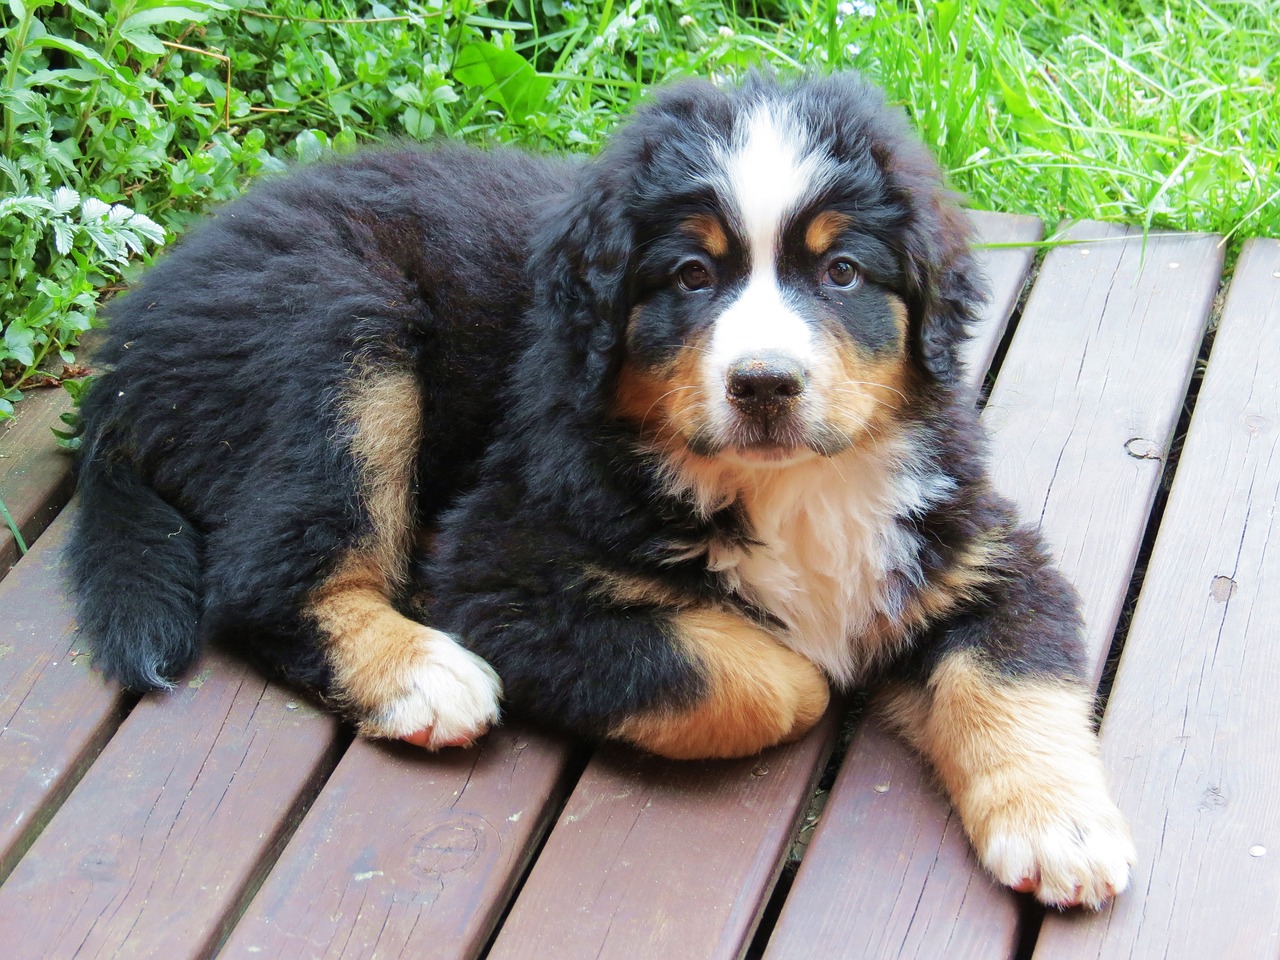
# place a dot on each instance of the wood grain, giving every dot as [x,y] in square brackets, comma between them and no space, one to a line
[55,713]
[659,859]
[1102,355]
[35,475]
[1191,726]
[156,848]
[410,854]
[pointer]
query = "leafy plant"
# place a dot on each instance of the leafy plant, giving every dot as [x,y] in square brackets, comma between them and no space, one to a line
[125,119]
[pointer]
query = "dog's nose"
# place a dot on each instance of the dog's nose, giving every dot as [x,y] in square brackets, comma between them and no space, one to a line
[772,379]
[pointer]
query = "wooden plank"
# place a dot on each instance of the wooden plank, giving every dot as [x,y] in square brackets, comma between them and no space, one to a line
[1006,268]
[55,713]
[1102,356]
[409,854]
[1190,729]
[658,859]
[691,845]
[35,475]
[177,821]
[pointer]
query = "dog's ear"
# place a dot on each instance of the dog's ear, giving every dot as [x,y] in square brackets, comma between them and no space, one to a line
[945,286]
[579,265]
[951,290]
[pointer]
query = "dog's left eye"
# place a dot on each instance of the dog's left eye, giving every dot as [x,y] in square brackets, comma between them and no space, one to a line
[842,273]
[694,275]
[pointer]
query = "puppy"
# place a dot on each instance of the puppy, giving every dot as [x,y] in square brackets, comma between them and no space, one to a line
[685,427]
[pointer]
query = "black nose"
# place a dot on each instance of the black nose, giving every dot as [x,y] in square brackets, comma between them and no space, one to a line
[770,379]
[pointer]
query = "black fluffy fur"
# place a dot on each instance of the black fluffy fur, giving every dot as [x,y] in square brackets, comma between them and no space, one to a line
[214,495]
[215,491]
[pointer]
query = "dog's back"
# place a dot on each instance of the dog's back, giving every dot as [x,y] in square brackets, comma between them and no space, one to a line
[212,486]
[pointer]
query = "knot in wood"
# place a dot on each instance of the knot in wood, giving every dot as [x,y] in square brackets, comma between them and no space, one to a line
[1222,589]
[1141,448]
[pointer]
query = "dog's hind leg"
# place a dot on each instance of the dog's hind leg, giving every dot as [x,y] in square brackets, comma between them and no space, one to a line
[394,677]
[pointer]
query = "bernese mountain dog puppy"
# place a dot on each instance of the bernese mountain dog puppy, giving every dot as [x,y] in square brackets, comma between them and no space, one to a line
[668,441]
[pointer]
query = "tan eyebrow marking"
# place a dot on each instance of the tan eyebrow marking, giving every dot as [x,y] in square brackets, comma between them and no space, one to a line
[707,230]
[824,229]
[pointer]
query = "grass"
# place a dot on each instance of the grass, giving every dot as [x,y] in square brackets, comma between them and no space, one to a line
[124,119]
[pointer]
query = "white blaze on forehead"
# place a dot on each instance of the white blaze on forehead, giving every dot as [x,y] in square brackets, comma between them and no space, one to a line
[769,171]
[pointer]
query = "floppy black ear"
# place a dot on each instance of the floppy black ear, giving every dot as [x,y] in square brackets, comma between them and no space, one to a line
[944,285]
[579,264]
[953,291]
[945,288]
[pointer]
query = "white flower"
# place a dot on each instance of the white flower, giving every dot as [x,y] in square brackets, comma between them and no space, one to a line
[726,32]
[686,21]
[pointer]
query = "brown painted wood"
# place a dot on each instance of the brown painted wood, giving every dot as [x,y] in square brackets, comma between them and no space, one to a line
[659,859]
[35,475]
[1006,269]
[1102,355]
[179,818]
[1098,386]
[1191,727]
[55,713]
[409,854]
[678,860]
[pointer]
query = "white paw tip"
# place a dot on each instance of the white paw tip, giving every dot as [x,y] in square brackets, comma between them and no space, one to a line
[451,698]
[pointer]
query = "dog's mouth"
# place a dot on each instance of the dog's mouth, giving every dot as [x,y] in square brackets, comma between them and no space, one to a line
[750,442]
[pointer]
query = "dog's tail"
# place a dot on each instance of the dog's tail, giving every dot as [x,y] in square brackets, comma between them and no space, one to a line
[134,563]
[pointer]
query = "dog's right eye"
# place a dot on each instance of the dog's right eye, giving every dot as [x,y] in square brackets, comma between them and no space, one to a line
[694,275]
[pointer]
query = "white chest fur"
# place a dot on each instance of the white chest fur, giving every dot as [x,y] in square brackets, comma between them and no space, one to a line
[833,554]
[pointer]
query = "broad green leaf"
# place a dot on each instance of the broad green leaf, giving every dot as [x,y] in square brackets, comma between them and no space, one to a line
[417,124]
[81,51]
[149,18]
[505,77]
[144,41]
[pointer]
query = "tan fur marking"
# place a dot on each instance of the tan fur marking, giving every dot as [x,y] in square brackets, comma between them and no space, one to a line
[760,693]
[977,567]
[824,229]
[1020,760]
[632,591]
[384,410]
[665,404]
[369,644]
[868,391]
[709,232]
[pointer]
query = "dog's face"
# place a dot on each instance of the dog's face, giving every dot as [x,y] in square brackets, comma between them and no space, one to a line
[779,264]
[767,324]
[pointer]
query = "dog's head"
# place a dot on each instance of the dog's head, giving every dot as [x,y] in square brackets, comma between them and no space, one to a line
[760,275]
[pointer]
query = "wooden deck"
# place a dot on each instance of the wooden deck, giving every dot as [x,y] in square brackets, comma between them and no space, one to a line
[231,818]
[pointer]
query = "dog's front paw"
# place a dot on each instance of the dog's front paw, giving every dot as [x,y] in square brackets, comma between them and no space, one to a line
[444,696]
[1070,847]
